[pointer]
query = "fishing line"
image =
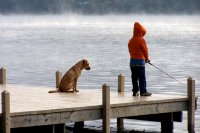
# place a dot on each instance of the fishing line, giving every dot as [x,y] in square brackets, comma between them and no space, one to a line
[165,73]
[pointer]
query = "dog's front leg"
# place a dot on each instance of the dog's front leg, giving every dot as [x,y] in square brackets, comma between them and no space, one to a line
[75,85]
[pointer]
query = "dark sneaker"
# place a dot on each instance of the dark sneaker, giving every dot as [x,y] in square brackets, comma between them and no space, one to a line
[146,94]
[136,94]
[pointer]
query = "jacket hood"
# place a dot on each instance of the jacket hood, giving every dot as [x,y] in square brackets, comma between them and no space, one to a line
[139,30]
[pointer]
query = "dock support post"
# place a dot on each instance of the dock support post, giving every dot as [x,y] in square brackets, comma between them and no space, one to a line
[106,108]
[191,104]
[5,95]
[120,121]
[58,78]
[121,83]
[59,128]
[78,126]
[167,125]
[2,76]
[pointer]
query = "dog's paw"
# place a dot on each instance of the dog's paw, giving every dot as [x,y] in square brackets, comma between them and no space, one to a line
[77,90]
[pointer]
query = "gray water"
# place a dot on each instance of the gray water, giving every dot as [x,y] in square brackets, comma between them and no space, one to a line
[32,48]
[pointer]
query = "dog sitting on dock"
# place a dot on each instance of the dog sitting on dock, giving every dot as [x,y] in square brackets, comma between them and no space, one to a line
[69,80]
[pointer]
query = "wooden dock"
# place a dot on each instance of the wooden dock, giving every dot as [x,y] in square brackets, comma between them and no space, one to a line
[32,106]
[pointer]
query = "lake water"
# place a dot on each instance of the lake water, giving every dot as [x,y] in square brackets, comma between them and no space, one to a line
[33,47]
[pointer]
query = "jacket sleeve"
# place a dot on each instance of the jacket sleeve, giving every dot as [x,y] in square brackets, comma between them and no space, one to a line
[145,50]
[130,47]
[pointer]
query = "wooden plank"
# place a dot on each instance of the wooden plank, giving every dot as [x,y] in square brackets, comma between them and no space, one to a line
[85,115]
[27,108]
[145,109]
[75,116]
[55,118]
[20,101]
[81,115]
[35,120]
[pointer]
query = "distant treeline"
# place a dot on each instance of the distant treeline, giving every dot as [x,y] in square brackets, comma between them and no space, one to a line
[99,6]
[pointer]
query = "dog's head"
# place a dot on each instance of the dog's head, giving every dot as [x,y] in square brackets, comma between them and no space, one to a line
[85,65]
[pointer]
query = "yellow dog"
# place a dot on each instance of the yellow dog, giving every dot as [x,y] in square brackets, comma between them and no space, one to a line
[69,81]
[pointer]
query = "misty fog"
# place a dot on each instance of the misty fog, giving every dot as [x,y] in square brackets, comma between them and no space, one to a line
[99,6]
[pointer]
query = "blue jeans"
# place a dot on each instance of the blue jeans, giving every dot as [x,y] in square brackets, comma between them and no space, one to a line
[138,79]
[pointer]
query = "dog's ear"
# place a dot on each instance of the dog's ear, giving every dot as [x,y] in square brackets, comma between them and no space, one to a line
[85,62]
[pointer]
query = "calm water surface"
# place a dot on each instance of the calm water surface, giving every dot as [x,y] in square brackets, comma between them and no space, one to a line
[32,48]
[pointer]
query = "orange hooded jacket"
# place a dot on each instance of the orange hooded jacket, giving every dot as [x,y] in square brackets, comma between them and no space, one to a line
[137,45]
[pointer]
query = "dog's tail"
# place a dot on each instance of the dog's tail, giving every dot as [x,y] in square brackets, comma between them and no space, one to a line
[54,91]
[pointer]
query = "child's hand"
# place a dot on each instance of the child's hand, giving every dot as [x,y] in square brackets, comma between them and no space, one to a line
[148,61]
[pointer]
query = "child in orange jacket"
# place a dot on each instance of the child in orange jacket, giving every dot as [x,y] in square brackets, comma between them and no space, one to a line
[138,57]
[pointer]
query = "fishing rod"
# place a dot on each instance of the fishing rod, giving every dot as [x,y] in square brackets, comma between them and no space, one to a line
[165,73]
